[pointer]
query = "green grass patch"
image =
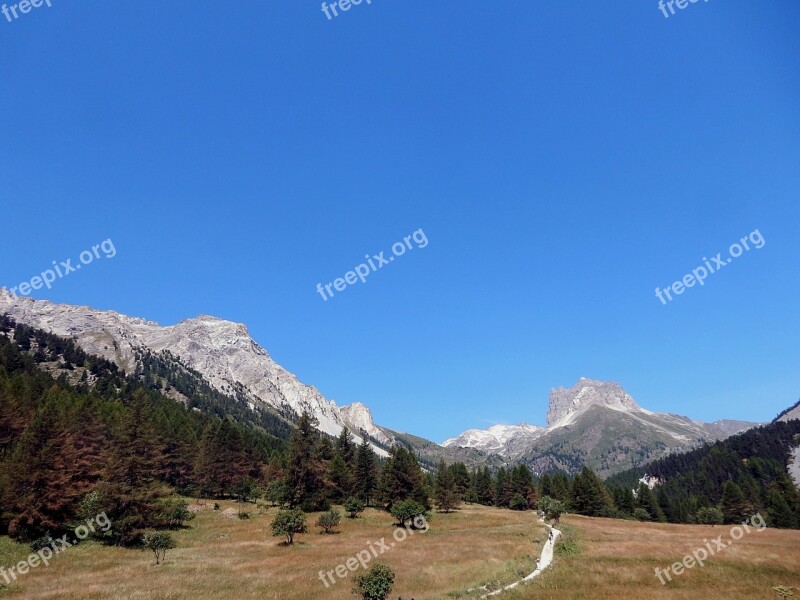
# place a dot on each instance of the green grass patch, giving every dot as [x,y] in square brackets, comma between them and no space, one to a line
[568,543]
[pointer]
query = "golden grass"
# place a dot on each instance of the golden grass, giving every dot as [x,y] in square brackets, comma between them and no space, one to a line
[224,559]
[617,560]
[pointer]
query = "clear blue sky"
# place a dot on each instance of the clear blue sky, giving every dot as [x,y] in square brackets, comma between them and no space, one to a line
[563,159]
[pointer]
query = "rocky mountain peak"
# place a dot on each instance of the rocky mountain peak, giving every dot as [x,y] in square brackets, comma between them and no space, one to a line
[359,417]
[566,403]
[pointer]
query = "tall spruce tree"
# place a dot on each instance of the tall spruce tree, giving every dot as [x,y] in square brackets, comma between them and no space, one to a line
[646,500]
[735,508]
[304,473]
[446,494]
[482,482]
[403,479]
[590,496]
[346,447]
[503,489]
[365,484]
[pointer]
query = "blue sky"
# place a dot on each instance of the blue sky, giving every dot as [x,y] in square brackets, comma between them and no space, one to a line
[563,159]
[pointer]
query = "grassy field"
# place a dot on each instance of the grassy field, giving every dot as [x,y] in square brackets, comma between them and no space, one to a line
[227,559]
[231,559]
[610,559]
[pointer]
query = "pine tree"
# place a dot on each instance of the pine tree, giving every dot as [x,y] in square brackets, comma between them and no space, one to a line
[780,513]
[734,507]
[523,484]
[130,491]
[546,486]
[461,479]
[346,447]
[590,496]
[365,485]
[446,493]
[560,487]
[646,500]
[483,486]
[503,490]
[340,477]
[304,474]
[624,500]
[40,491]
[221,462]
[402,479]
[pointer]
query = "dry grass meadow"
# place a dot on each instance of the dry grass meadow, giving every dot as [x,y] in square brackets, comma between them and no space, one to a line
[223,559]
[617,560]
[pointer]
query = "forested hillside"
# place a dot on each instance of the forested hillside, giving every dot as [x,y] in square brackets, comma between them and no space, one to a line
[94,428]
[744,473]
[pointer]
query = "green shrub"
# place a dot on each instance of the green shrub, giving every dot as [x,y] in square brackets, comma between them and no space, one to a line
[376,584]
[518,502]
[709,516]
[289,523]
[329,520]
[354,506]
[159,542]
[406,511]
[176,512]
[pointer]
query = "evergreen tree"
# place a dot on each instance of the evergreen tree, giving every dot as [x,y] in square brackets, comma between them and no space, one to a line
[304,473]
[734,507]
[780,513]
[545,486]
[560,487]
[131,493]
[522,483]
[221,460]
[624,500]
[482,482]
[346,447]
[503,489]
[366,473]
[646,500]
[340,476]
[590,496]
[446,494]
[403,479]
[461,479]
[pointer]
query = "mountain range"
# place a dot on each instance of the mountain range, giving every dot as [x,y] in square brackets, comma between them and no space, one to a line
[593,423]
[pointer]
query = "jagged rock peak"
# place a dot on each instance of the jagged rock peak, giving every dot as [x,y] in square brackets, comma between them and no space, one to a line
[567,402]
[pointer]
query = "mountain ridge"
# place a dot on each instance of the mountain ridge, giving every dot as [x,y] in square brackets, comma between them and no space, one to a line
[221,351]
[597,423]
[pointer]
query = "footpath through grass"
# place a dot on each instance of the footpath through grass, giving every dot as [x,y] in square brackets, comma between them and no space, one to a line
[605,559]
[230,559]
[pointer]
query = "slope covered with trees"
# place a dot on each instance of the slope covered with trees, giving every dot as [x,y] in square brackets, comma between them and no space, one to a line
[742,474]
[77,433]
